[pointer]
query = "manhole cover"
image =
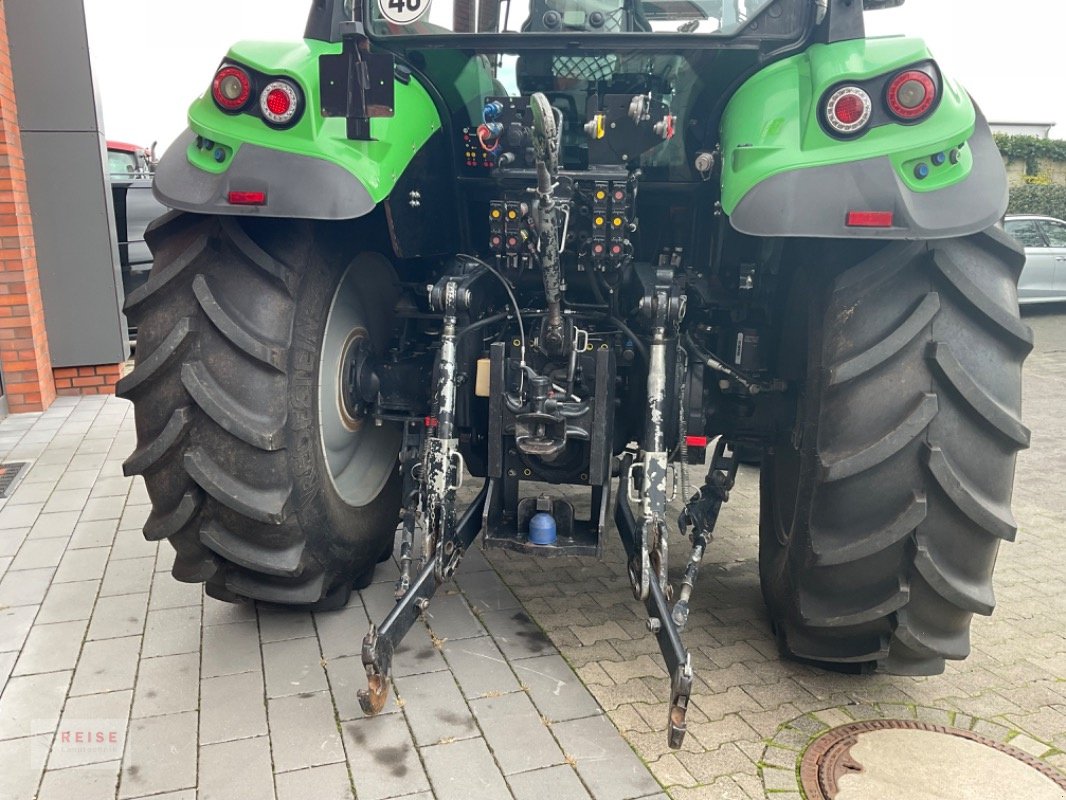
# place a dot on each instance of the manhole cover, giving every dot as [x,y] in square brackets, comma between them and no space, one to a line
[912,760]
[8,473]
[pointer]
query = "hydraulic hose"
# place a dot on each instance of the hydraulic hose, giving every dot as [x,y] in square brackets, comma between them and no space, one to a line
[546,150]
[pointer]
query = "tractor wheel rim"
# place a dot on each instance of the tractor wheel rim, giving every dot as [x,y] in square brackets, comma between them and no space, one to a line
[359,456]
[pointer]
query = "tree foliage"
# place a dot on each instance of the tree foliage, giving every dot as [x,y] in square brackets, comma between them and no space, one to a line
[1037,194]
[1030,150]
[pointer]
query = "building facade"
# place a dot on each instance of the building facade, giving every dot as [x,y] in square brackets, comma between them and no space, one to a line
[1041,130]
[61,327]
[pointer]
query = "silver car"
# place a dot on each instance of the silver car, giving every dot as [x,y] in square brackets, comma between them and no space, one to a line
[1044,275]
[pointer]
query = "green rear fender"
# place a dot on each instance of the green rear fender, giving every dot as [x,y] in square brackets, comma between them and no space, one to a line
[311,170]
[783,174]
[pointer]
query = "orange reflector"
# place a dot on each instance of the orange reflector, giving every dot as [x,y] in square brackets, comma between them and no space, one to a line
[870,219]
[247,198]
[696,441]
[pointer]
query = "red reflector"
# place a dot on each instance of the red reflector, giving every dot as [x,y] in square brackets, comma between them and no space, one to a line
[247,198]
[870,219]
[696,441]
[278,102]
[849,109]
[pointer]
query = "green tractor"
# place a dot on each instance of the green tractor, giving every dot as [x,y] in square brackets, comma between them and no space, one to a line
[588,244]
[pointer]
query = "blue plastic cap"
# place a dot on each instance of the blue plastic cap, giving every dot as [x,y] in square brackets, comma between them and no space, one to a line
[542,529]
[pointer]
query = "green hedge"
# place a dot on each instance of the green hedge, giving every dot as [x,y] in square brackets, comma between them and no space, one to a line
[1030,150]
[1034,198]
[1047,200]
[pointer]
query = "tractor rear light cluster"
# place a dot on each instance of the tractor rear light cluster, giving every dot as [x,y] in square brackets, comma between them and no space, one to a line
[907,96]
[280,100]
[231,88]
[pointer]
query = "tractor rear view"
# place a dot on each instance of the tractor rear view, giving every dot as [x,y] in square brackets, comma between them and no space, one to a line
[587,245]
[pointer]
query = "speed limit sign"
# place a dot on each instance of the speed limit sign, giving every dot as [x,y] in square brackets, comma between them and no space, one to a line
[403,12]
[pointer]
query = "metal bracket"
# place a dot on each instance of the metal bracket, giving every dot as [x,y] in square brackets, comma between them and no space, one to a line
[411,468]
[663,305]
[357,84]
[680,692]
[660,622]
[381,642]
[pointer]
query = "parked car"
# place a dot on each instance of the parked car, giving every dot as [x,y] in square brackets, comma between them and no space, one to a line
[125,160]
[1044,238]
[130,171]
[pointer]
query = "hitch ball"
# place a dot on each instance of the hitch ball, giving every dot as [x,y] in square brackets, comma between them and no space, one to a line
[542,529]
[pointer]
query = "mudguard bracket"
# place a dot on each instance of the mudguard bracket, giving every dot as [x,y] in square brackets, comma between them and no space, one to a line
[357,84]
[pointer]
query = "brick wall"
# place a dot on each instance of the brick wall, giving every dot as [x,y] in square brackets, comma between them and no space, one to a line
[24,357]
[73,381]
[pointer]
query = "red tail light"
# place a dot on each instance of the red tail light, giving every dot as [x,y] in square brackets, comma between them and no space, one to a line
[231,88]
[910,95]
[848,109]
[279,102]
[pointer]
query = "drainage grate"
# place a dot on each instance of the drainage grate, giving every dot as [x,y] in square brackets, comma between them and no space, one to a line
[8,473]
[830,756]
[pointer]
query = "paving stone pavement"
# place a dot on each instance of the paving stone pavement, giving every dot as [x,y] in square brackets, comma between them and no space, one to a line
[745,695]
[119,682]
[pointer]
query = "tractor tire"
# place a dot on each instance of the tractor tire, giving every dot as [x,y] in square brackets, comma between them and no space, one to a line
[883,508]
[267,485]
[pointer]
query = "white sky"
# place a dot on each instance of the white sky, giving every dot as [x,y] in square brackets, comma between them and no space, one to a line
[151,59]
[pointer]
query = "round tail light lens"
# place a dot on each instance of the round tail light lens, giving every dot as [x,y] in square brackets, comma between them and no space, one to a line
[848,109]
[231,88]
[279,102]
[910,95]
